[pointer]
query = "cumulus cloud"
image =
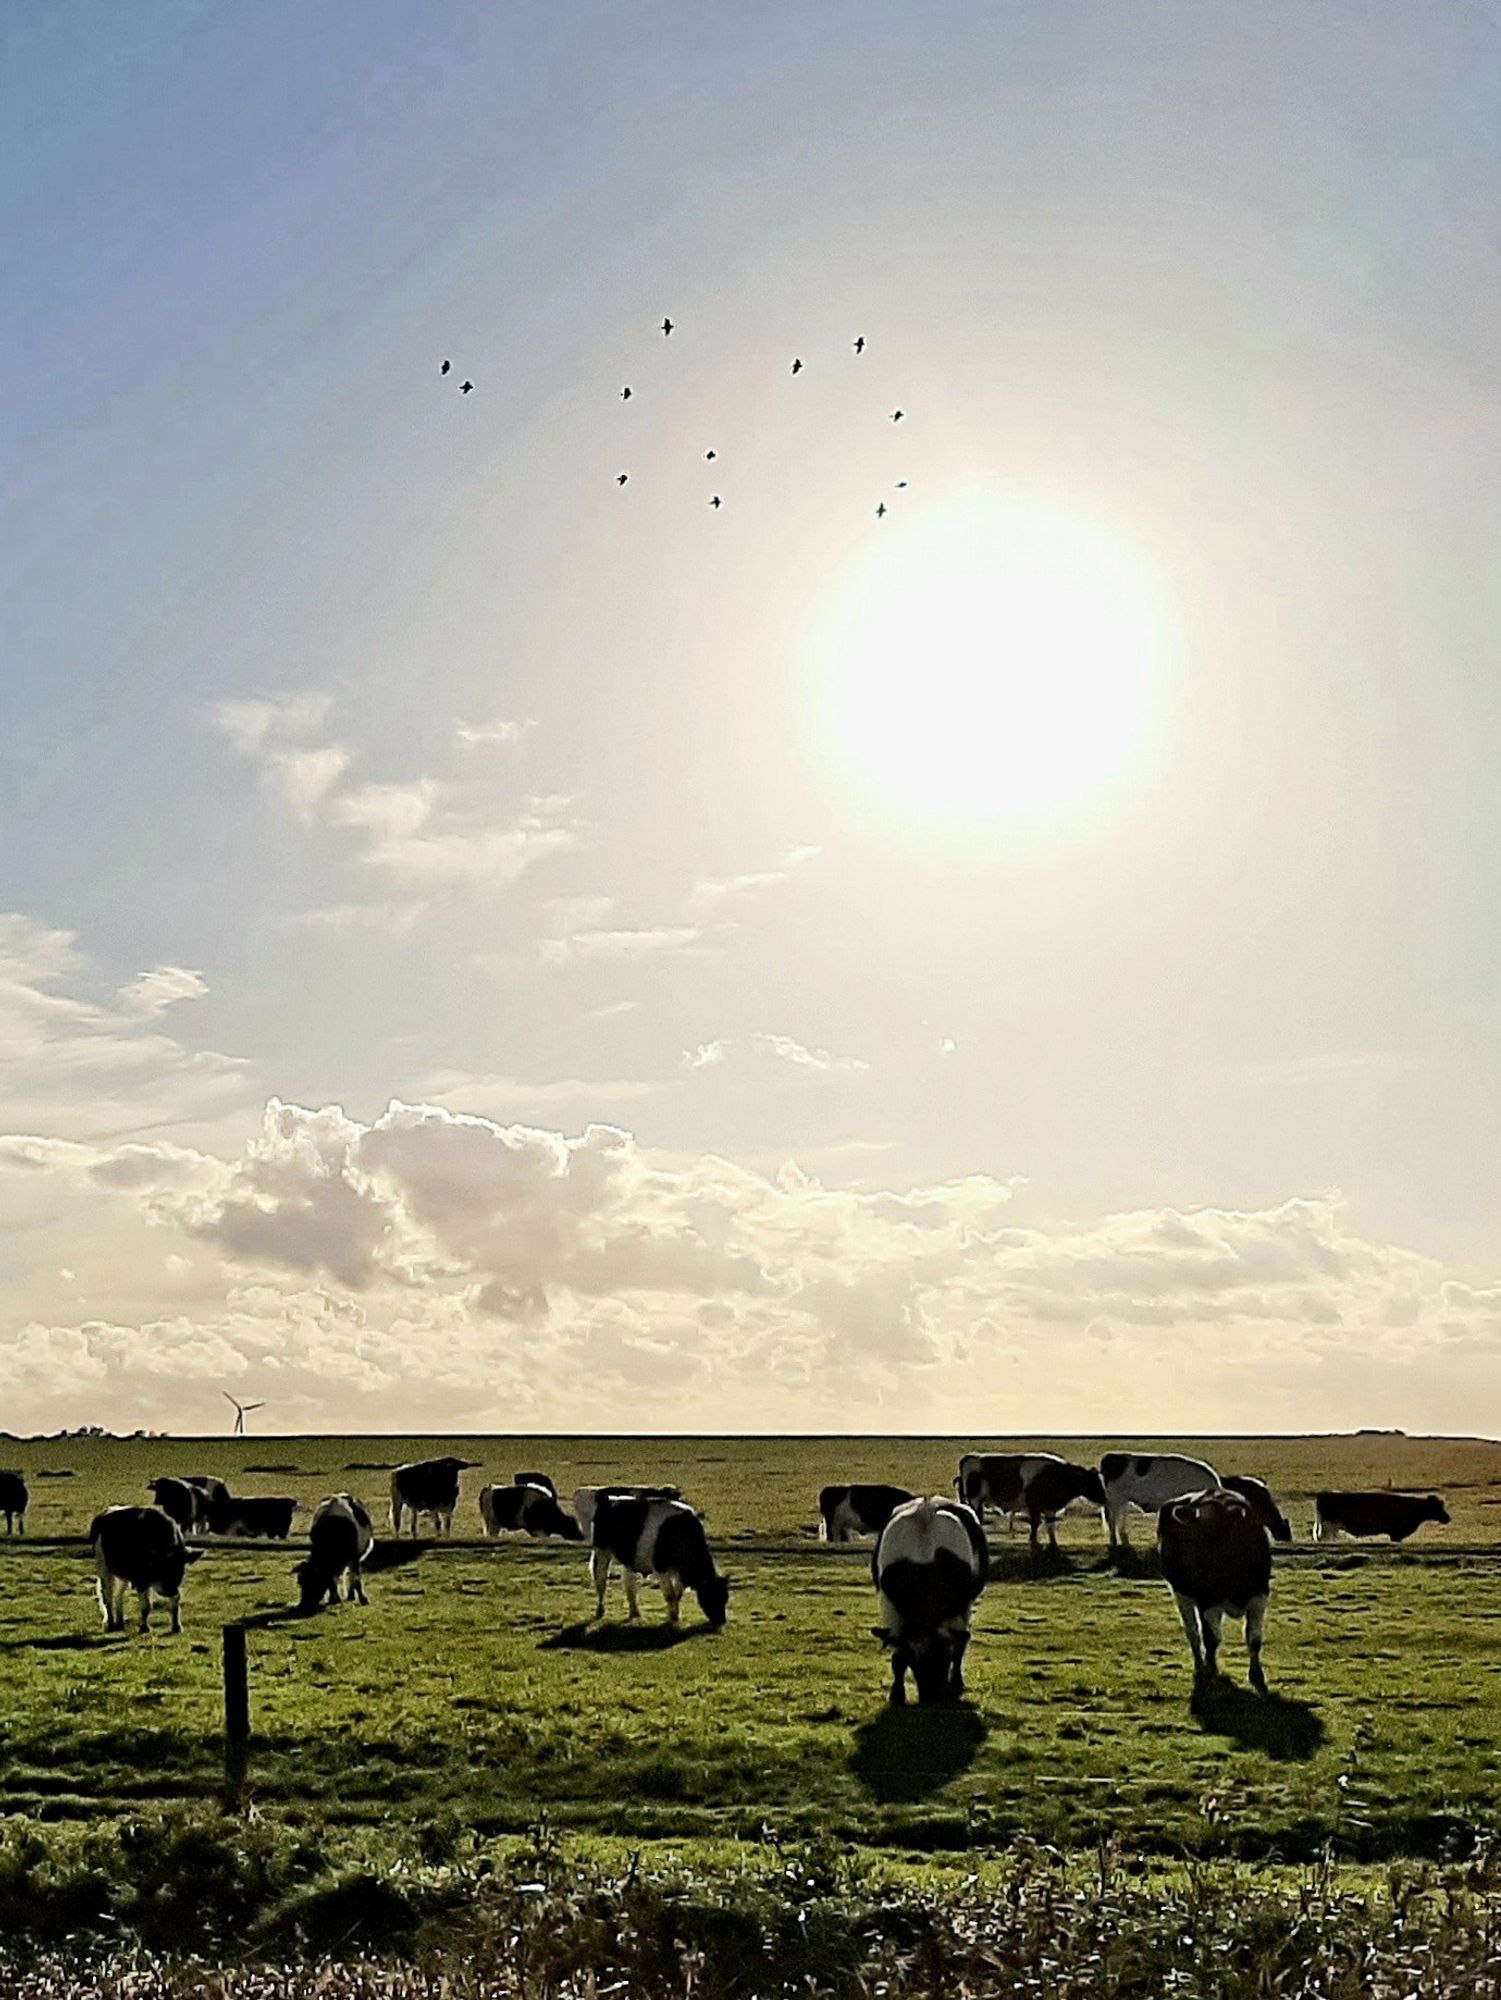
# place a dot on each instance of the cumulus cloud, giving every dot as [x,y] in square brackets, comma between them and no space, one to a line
[163,987]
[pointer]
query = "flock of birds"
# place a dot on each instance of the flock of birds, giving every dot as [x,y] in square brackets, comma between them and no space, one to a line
[466,387]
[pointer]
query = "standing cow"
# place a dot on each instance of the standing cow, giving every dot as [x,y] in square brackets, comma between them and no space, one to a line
[660,1538]
[340,1536]
[1395,1515]
[1148,1480]
[139,1549]
[179,1500]
[1217,1560]
[429,1486]
[929,1567]
[857,1510]
[14,1500]
[526,1509]
[257,1518]
[586,1500]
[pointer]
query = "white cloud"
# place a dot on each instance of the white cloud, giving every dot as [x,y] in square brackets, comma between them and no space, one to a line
[251,725]
[73,1068]
[780,1048]
[593,946]
[163,987]
[483,735]
[709,898]
[509,1097]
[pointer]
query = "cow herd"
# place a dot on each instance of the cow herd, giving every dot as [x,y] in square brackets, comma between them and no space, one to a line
[930,1564]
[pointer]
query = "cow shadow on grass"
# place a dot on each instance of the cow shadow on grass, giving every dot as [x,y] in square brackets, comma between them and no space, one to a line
[1291,1731]
[906,1754]
[64,1642]
[588,1636]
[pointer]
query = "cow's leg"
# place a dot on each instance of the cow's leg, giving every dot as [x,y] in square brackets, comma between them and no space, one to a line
[1211,1621]
[357,1586]
[956,1674]
[1318,1526]
[672,1590]
[1053,1533]
[1255,1620]
[143,1598]
[899,1665]
[632,1592]
[1188,1611]
[599,1569]
[175,1600]
[106,1603]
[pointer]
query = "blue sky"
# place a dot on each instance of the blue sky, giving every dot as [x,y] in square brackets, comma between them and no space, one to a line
[435,767]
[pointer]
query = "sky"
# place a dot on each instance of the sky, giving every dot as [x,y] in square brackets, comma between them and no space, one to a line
[482,946]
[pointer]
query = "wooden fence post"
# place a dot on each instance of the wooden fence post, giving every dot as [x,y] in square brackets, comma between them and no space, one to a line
[236,1710]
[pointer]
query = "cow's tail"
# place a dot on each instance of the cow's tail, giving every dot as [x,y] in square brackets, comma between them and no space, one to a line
[395,1504]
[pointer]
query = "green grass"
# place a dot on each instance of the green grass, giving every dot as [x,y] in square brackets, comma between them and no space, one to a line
[473,1688]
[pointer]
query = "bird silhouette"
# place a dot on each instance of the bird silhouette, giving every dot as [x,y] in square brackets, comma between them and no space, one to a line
[901,485]
[666,328]
[860,344]
[715,502]
[445,368]
[710,454]
[465,387]
[625,395]
[621,478]
[797,367]
[880,510]
[897,415]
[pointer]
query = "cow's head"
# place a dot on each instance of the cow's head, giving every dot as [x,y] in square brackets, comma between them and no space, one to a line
[1435,1510]
[1090,1484]
[713,1595]
[1259,1496]
[934,1658]
[312,1584]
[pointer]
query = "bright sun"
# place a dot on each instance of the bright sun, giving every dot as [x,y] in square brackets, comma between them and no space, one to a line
[993,661]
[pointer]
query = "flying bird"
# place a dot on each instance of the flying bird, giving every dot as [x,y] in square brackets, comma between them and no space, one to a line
[797,367]
[465,387]
[621,478]
[901,485]
[880,510]
[625,395]
[666,328]
[715,502]
[860,344]
[897,415]
[445,368]
[710,454]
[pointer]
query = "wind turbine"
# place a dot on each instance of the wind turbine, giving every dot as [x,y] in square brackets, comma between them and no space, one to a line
[241,1411]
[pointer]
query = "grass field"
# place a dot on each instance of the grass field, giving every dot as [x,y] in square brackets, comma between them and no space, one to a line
[474,1690]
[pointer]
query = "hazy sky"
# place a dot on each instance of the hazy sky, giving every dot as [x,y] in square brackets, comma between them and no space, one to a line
[458,973]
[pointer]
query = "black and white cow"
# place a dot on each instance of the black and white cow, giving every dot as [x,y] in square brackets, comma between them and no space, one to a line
[428,1486]
[178,1500]
[14,1500]
[1148,1480]
[139,1549]
[587,1498]
[526,1509]
[340,1536]
[857,1510]
[1217,1560]
[1395,1515]
[998,1480]
[1263,1506]
[661,1538]
[929,1567]
[255,1519]
[212,1491]
[535,1479]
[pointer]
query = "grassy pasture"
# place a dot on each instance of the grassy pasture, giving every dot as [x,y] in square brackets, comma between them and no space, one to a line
[474,1688]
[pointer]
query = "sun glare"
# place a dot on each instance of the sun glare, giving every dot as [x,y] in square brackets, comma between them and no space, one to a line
[995,661]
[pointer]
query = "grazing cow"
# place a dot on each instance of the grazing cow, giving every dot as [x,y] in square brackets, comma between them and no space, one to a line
[1263,1506]
[527,1509]
[998,1480]
[1395,1515]
[14,1500]
[661,1538]
[430,1486]
[267,1520]
[929,1567]
[340,1537]
[586,1499]
[139,1549]
[179,1501]
[535,1479]
[1053,1487]
[857,1510]
[1148,1480]
[1217,1559]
